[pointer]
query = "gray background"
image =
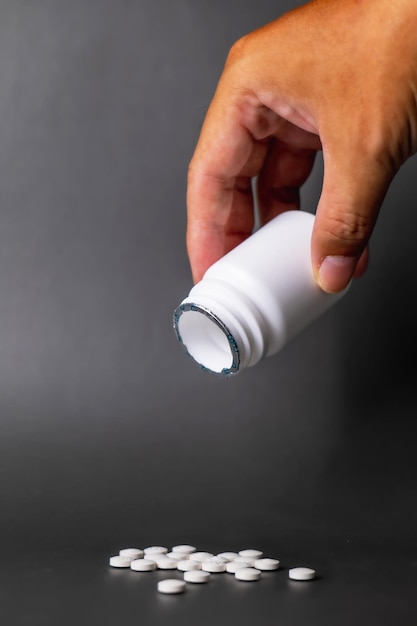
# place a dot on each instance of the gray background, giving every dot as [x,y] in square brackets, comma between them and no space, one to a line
[109,436]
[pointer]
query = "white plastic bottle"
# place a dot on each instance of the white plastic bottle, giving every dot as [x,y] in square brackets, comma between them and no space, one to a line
[252,301]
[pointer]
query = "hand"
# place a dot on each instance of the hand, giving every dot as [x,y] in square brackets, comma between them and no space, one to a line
[333,75]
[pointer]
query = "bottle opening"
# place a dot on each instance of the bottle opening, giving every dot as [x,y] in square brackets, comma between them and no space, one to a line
[206,339]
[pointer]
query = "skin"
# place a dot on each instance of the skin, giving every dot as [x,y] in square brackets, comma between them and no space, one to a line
[338,76]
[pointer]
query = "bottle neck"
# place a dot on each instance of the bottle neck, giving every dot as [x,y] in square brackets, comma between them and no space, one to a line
[220,328]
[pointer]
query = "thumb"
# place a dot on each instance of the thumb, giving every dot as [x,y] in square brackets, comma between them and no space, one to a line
[353,190]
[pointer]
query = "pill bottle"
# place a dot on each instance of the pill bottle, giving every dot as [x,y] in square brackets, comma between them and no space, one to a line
[254,299]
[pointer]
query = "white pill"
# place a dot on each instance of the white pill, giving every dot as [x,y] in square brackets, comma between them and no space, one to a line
[133,553]
[201,556]
[166,563]
[120,561]
[188,565]
[245,559]
[154,557]
[178,556]
[184,549]
[196,576]
[155,550]
[233,566]
[171,585]
[251,554]
[220,559]
[213,565]
[301,573]
[248,573]
[143,565]
[229,556]
[266,564]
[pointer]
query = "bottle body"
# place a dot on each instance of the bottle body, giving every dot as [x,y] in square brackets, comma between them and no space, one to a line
[256,298]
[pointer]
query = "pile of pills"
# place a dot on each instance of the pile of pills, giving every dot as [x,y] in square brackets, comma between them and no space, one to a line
[198,566]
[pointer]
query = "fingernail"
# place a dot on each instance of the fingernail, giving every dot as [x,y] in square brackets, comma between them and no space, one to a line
[335,273]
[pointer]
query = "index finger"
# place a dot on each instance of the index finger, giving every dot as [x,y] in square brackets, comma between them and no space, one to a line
[219,193]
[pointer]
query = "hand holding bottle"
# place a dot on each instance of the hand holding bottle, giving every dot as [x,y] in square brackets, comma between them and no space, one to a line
[333,75]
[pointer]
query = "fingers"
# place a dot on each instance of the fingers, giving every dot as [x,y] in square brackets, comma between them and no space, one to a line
[220,216]
[284,171]
[354,187]
[236,144]
[219,193]
[282,84]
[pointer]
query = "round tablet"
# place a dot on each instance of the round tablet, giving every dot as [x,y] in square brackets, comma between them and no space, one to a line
[166,563]
[214,566]
[201,556]
[229,556]
[178,556]
[220,559]
[266,564]
[155,550]
[301,573]
[196,576]
[171,585]
[184,549]
[143,565]
[245,559]
[248,574]
[133,553]
[154,557]
[120,561]
[251,554]
[233,566]
[188,565]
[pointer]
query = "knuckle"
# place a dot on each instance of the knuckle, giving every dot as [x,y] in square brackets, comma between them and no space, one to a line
[352,229]
[237,50]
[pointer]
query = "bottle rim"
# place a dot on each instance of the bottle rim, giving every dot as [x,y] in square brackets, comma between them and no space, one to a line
[232,344]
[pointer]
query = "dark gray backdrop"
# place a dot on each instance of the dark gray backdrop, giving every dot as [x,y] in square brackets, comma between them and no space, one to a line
[110,437]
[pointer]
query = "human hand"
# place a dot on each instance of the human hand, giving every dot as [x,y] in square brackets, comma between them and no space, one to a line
[333,75]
